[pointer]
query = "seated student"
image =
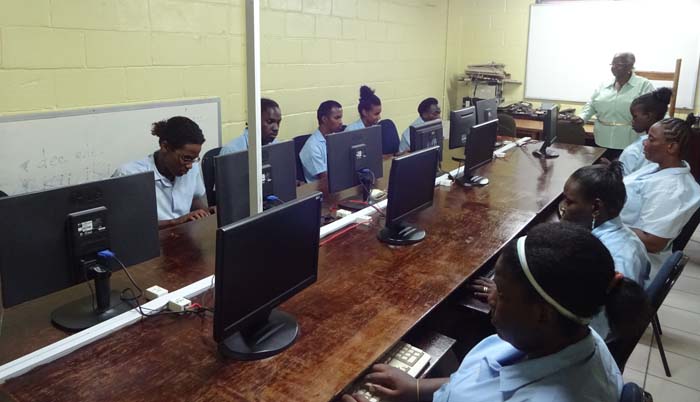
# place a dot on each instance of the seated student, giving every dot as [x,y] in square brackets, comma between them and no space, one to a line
[313,154]
[593,198]
[428,110]
[369,108]
[180,194]
[663,195]
[550,284]
[646,110]
[271,118]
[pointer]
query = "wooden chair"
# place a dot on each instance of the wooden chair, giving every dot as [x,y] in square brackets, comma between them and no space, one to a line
[672,76]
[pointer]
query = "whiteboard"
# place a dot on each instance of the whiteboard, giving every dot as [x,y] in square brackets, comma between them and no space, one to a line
[571,45]
[46,150]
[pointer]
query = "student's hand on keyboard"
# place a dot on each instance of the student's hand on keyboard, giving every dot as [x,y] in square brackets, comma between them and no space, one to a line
[194,215]
[482,287]
[353,398]
[391,383]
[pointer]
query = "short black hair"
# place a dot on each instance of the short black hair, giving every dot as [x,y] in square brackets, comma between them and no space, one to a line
[605,183]
[178,131]
[266,103]
[324,109]
[655,102]
[367,99]
[425,104]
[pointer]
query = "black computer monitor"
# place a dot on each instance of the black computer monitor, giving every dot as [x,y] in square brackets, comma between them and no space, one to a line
[231,177]
[426,135]
[51,238]
[478,151]
[461,122]
[354,158]
[549,133]
[486,110]
[411,189]
[261,261]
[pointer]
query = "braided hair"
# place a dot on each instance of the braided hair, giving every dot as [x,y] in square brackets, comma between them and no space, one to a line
[678,131]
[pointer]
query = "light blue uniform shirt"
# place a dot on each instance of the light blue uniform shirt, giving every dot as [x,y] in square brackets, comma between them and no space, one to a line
[238,144]
[313,156]
[357,125]
[630,257]
[584,371]
[632,157]
[173,199]
[660,202]
[405,144]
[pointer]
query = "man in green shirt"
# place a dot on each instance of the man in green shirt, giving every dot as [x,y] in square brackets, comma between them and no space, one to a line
[611,104]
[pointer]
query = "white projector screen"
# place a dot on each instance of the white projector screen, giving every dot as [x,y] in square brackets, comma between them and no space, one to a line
[571,45]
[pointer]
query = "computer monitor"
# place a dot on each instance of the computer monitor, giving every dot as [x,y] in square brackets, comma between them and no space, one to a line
[478,151]
[461,122]
[549,133]
[426,135]
[52,237]
[411,189]
[486,110]
[354,158]
[261,261]
[231,177]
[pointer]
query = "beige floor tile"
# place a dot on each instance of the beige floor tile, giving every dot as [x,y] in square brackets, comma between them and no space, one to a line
[632,375]
[638,359]
[684,371]
[683,320]
[683,300]
[696,235]
[692,268]
[688,284]
[666,391]
[678,342]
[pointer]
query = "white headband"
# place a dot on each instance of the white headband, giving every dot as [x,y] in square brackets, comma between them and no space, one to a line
[561,309]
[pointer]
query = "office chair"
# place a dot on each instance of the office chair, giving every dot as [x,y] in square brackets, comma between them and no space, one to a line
[299,142]
[632,392]
[208,174]
[621,348]
[684,236]
[570,133]
[506,125]
[3,194]
[390,137]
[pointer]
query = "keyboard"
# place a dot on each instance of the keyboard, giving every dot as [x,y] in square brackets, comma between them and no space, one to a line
[404,357]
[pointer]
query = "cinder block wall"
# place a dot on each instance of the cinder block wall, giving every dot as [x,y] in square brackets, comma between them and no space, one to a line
[65,54]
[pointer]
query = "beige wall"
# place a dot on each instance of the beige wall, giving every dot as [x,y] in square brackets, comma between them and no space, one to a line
[64,54]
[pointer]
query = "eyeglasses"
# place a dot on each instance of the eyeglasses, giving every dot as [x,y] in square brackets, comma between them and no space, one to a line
[186,159]
[620,64]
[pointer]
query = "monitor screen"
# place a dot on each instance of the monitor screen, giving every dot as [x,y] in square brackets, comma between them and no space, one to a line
[461,122]
[479,147]
[231,177]
[549,126]
[350,152]
[486,110]
[262,261]
[411,184]
[426,135]
[37,256]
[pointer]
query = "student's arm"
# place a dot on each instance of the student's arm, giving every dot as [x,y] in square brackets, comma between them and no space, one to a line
[653,244]
[323,182]
[394,384]
[199,203]
[192,216]
[588,109]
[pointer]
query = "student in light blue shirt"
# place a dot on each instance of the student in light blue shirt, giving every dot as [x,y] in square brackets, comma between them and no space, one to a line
[180,194]
[428,110]
[593,198]
[313,155]
[550,284]
[271,118]
[663,195]
[370,109]
[646,110]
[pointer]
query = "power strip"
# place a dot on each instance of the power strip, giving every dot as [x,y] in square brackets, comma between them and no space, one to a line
[179,305]
[501,152]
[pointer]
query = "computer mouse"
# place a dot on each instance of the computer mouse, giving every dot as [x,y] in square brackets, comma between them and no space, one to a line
[377,194]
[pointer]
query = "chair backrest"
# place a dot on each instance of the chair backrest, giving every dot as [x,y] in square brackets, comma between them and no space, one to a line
[390,137]
[506,125]
[3,194]
[570,133]
[632,392]
[208,174]
[299,142]
[621,348]
[683,238]
[672,76]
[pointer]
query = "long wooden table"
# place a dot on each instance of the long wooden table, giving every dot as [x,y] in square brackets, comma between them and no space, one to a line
[533,128]
[367,297]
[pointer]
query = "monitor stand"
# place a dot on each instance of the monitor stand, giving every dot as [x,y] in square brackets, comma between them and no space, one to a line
[266,339]
[88,311]
[467,180]
[401,234]
[545,153]
[362,201]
